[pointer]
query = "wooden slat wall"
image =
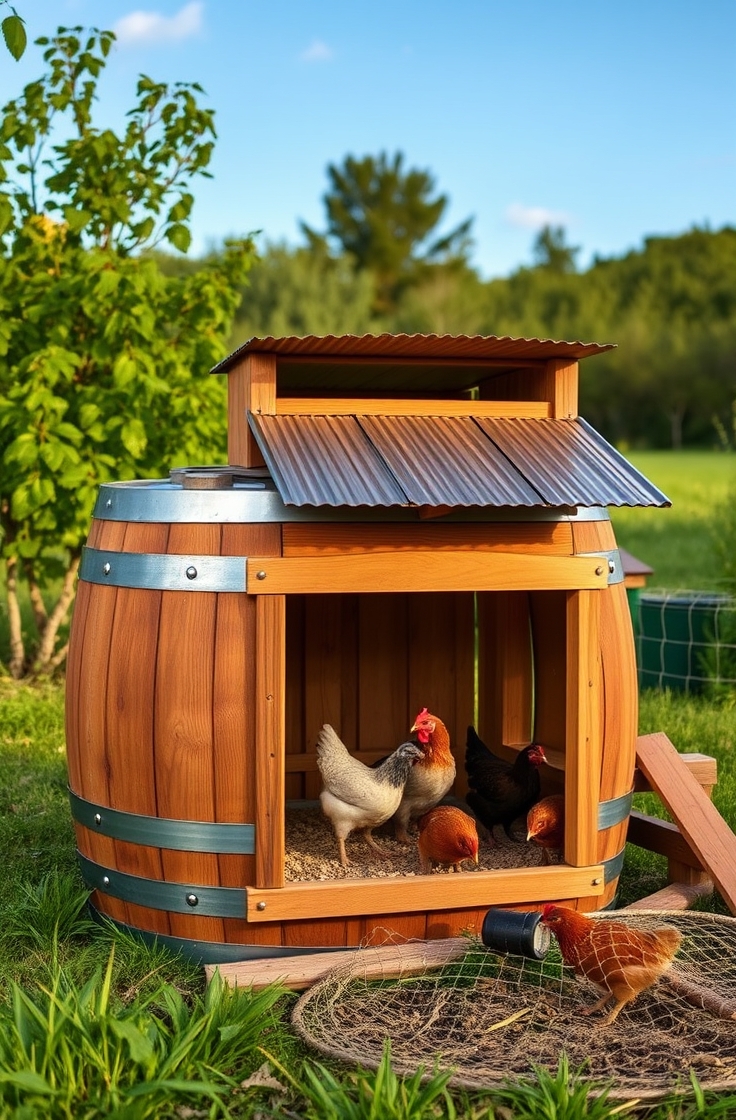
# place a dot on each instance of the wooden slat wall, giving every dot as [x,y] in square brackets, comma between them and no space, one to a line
[251,386]
[130,699]
[94,660]
[552,538]
[505,670]
[184,734]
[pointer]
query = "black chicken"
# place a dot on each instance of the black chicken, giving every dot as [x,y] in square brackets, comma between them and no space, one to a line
[501,791]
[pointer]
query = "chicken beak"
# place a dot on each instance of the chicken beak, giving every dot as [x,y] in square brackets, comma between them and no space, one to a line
[413,728]
[475,859]
[529,835]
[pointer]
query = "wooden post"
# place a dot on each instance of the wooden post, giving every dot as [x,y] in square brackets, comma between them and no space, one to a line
[561,377]
[270,739]
[251,387]
[583,748]
[554,381]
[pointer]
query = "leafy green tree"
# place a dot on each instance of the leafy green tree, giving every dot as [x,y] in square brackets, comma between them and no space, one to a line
[383,216]
[304,291]
[552,252]
[103,358]
[14,32]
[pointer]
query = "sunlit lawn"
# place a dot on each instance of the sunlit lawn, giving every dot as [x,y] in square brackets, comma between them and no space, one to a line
[678,542]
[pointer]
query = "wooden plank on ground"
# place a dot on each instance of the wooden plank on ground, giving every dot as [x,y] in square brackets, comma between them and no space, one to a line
[675,896]
[704,829]
[381,962]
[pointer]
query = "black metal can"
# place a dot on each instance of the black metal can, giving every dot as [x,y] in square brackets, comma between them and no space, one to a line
[516,931]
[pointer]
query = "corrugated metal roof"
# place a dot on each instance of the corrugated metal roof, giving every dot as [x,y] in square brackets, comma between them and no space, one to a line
[562,458]
[437,347]
[446,461]
[324,461]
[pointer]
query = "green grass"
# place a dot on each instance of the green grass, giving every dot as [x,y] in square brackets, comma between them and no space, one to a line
[679,543]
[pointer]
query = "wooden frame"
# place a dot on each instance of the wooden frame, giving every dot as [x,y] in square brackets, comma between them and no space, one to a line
[368,406]
[423,571]
[270,766]
[366,897]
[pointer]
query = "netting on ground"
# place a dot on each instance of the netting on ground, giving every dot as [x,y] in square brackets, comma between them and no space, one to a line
[686,640]
[489,1017]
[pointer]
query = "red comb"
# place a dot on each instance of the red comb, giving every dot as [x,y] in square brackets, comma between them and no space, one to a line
[422,715]
[547,909]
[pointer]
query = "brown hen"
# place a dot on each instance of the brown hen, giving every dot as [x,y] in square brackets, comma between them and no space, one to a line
[618,959]
[545,824]
[446,835]
[432,776]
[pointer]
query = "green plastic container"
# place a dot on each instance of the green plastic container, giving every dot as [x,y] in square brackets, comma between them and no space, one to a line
[686,640]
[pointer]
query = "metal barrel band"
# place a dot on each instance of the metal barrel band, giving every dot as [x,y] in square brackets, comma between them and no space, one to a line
[615,811]
[612,867]
[211,952]
[178,898]
[151,500]
[612,559]
[164,832]
[162,572]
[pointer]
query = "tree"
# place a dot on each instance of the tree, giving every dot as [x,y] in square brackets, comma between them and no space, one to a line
[14,32]
[103,358]
[304,291]
[552,252]
[383,216]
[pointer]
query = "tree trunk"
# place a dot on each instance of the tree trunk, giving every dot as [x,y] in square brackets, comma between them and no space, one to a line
[45,660]
[17,662]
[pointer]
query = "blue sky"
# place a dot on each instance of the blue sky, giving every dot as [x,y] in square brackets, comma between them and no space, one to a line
[616,120]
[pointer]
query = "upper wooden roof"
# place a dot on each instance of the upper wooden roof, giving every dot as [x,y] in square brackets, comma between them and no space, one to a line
[401,362]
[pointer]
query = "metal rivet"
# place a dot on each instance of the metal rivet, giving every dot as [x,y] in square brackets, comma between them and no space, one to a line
[191,572]
[611,567]
[261,906]
[192,900]
[98,819]
[599,571]
[596,882]
[260,575]
[108,503]
[106,569]
[106,880]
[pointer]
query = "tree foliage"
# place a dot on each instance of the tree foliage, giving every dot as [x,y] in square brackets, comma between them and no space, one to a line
[383,216]
[103,358]
[14,32]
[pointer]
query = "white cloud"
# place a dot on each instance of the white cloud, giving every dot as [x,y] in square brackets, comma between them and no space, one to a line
[534,217]
[144,28]
[317,51]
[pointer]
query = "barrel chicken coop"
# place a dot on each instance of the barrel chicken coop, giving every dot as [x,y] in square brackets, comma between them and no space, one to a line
[404,521]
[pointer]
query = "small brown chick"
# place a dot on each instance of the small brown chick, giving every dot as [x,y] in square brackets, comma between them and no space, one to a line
[545,823]
[446,835]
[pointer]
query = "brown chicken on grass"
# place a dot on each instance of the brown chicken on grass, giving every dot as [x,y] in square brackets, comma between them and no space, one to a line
[447,835]
[356,796]
[545,824]
[618,959]
[431,778]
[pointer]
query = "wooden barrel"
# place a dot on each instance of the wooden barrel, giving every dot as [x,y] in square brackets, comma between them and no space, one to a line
[161,728]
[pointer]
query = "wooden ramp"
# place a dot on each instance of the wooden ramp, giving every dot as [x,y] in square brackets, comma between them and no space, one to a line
[699,822]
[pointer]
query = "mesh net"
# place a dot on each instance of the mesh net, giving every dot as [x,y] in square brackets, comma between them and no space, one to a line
[687,640]
[490,1017]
